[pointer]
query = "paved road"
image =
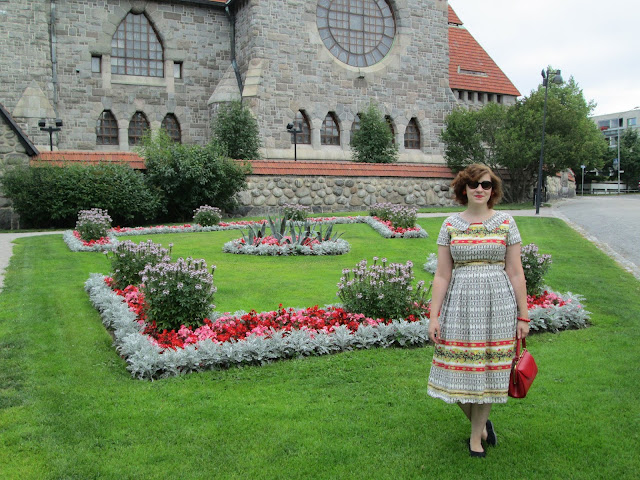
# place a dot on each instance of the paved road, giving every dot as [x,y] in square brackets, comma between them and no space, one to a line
[611,221]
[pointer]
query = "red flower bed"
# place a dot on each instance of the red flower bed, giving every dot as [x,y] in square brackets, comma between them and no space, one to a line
[394,229]
[227,328]
[91,243]
[545,300]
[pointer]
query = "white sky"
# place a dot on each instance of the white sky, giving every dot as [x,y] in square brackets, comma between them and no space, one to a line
[596,42]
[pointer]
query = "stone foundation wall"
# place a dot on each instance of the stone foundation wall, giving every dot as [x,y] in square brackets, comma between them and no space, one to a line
[266,194]
[12,154]
[561,186]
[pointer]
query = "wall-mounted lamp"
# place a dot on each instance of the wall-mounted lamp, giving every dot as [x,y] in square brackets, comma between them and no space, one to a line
[42,124]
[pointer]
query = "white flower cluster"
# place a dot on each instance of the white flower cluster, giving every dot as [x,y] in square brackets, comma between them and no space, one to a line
[76,245]
[331,247]
[148,361]
[431,264]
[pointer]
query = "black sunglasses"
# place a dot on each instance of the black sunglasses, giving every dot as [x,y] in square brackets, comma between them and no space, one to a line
[486,185]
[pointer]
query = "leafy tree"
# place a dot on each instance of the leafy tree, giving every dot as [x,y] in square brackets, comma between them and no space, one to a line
[187,176]
[630,157]
[236,130]
[511,137]
[373,142]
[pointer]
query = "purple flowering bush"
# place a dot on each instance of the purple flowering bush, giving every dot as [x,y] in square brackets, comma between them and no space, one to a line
[207,216]
[382,290]
[400,216]
[535,266]
[93,224]
[129,259]
[178,293]
[297,213]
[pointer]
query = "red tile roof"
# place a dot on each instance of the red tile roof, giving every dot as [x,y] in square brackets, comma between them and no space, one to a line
[71,157]
[470,66]
[349,169]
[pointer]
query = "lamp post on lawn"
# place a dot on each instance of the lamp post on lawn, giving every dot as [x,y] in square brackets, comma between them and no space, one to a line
[557,79]
[42,122]
[295,131]
[583,167]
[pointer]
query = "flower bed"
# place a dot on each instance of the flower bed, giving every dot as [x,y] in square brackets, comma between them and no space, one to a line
[270,246]
[386,229]
[77,244]
[554,311]
[253,338]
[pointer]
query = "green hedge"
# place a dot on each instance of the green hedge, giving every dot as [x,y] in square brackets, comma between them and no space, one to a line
[52,196]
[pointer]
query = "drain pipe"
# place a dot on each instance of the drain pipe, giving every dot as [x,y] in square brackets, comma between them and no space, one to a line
[54,59]
[234,64]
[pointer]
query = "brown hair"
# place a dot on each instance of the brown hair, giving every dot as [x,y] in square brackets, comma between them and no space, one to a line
[473,173]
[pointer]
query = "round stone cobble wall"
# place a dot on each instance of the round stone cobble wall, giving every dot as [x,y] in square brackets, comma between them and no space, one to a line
[265,194]
[12,154]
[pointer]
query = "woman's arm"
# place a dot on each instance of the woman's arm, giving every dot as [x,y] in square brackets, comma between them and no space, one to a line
[439,289]
[513,267]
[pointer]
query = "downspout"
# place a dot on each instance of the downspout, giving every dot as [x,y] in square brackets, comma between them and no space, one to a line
[54,59]
[234,64]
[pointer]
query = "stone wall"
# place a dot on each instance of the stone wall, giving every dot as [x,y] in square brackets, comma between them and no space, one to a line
[265,194]
[562,185]
[12,154]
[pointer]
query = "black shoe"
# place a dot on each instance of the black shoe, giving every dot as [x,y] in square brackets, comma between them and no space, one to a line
[473,453]
[492,439]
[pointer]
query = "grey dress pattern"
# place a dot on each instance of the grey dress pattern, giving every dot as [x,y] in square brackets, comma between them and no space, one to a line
[472,360]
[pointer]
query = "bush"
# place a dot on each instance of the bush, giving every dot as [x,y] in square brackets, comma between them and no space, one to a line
[535,267]
[52,196]
[129,259]
[236,130]
[207,216]
[382,291]
[93,224]
[187,176]
[297,213]
[178,293]
[400,216]
[373,142]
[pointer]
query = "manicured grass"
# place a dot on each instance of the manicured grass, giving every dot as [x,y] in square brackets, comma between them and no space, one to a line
[69,408]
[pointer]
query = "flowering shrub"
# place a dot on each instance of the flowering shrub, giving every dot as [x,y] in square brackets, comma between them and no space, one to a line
[297,213]
[207,216]
[387,230]
[93,224]
[553,311]
[128,259]
[178,293]
[270,245]
[382,291]
[535,267]
[400,216]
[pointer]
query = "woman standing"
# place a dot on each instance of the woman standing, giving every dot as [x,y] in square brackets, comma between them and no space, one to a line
[478,290]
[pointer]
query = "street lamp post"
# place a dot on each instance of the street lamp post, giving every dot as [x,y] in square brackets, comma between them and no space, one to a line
[583,167]
[619,126]
[557,79]
[295,131]
[42,122]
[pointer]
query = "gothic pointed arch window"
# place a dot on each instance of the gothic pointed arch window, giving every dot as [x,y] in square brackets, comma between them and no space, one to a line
[387,119]
[136,48]
[302,121]
[138,126]
[330,132]
[171,125]
[412,135]
[107,129]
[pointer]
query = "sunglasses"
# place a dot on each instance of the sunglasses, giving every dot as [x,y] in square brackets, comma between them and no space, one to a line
[486,185]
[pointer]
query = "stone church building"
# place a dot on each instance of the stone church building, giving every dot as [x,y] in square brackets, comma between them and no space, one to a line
[111,69]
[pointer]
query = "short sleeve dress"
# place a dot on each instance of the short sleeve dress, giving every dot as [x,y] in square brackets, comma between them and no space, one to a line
[472,361]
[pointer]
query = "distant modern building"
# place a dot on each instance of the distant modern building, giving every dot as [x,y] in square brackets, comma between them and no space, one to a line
[614,124]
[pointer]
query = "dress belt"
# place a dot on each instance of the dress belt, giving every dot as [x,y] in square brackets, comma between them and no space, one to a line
[476,262]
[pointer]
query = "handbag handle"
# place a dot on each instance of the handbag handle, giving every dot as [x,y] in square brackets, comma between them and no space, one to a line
[524,345]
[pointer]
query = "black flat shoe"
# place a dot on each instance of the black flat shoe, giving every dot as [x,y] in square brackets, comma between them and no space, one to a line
[473,453]
[492,438]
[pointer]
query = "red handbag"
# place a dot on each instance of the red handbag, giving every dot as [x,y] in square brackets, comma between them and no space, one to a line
[523,371]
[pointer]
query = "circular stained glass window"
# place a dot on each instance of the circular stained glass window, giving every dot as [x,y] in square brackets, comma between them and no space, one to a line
[357,32]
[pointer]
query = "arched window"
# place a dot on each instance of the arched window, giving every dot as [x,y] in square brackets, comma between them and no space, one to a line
[136,49]
[393,130]
[412,135]
[303,121]
[138,126]
[172,127]
[330,133]
[355,126]
[107,129]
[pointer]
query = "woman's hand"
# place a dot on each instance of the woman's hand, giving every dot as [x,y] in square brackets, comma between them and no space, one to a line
[522,329]
[434,330]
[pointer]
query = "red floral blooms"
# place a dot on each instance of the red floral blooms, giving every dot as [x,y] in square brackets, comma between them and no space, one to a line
[227,328]
[394,229]
[545,300]
[91,243]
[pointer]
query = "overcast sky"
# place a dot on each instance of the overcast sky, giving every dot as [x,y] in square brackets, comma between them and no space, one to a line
[591,40]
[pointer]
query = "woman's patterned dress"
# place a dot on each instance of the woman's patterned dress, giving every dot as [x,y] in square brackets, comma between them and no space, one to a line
[472,361]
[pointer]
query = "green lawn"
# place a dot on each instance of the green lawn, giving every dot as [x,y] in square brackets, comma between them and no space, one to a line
[69,409]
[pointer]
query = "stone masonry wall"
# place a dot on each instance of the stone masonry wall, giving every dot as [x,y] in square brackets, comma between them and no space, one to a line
[265,194]
[12,154]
